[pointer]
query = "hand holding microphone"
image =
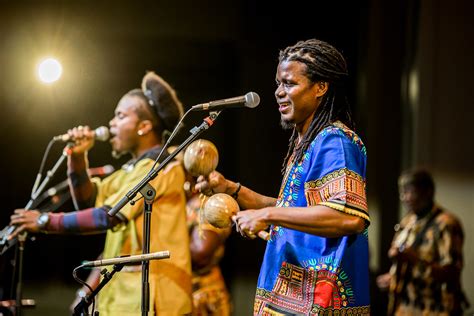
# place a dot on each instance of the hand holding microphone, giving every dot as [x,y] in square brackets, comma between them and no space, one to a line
[100,133]
[83,137]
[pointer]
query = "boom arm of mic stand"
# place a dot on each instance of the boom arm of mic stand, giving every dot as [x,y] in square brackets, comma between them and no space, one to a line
[195,132]
[5,233]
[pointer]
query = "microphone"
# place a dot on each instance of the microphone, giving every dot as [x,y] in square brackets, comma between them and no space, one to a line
[250,100]
[101,171]
[100,133]
[128,259]
[93,172]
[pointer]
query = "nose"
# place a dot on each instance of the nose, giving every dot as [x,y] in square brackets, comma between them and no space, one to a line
[279,92]
[111,122]
[407,196]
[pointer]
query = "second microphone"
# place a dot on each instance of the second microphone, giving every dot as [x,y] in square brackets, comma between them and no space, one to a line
[249,100]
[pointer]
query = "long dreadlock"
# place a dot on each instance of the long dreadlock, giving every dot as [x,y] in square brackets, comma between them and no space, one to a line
[323,63]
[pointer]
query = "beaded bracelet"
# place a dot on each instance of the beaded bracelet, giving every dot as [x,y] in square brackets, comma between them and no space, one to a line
[235,195]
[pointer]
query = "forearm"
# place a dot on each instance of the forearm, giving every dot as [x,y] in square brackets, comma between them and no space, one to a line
[249,199]
[81,187]
[93,279]
[89,221]
[317,220]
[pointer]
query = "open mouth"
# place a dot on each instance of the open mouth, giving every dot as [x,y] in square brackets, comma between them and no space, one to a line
[112,136]
[283,106]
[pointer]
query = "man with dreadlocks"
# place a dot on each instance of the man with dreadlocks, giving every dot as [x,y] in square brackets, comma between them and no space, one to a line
[141,118]
[316,261]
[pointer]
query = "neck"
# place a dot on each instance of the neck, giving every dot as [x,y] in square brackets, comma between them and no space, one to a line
[425,211]
[303,127]
[299,138]
[145,145]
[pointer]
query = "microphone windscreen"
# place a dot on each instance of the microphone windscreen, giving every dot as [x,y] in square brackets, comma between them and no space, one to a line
[102,133]
[251,100]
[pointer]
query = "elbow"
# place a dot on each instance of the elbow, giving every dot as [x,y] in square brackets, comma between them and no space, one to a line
[199,261]
[200,256]
[350,225]
[355,225]
[81,203]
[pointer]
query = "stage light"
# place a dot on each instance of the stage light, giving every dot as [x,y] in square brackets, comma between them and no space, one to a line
[49,70]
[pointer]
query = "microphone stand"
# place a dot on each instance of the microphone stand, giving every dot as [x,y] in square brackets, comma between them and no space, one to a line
[149,193]
[82,308]
[6,232]
[49,175]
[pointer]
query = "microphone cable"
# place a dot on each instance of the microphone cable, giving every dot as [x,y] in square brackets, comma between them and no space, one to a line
[41,169]
[80,281]
[170,138]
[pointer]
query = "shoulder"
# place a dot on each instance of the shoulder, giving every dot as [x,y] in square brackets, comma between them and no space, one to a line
[147,163]
[337,147]
[173,172]
[449,220]
[339,133]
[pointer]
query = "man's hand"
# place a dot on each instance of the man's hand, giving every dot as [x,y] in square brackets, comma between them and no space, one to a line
[24,220]
[383,281]
[83,138]
[250,222]
[215,182]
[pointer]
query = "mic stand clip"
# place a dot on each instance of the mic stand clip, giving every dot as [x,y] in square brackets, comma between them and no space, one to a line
[82,308]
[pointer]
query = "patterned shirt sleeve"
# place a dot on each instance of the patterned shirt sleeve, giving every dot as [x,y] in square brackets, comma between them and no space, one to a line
[451,239]
[88,221]
[337,173]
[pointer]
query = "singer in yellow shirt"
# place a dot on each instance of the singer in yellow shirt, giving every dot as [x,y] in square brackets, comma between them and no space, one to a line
[141,118]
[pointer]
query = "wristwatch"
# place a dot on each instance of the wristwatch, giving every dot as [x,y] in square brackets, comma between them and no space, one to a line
[43,220]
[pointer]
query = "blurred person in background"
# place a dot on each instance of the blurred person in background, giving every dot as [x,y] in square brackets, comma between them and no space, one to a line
[207,245]
[427,255]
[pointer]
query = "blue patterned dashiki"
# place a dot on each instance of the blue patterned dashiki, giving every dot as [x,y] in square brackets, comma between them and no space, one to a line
[304,274]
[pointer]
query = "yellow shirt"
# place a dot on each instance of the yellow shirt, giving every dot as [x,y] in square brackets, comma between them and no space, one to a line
[170,279]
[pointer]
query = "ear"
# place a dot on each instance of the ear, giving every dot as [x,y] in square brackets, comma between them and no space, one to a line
[321,88]
[145,126]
